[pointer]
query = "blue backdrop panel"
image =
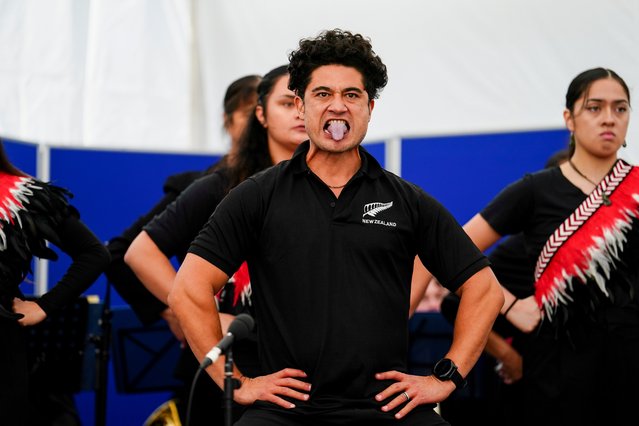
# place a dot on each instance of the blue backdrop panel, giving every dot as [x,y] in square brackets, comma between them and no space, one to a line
[112,189]
[23,155]
[465,172]
[377,150]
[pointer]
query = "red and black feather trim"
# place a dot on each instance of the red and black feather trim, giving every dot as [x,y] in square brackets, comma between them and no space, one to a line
[30,212]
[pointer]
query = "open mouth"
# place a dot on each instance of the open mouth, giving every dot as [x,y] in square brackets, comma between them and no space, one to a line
[337,129]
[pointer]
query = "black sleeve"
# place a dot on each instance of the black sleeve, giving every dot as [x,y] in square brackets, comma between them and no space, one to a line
[226,239]
[89,259]
[179,182]
[146,306]
[510,210]
[447,251]
[174,229]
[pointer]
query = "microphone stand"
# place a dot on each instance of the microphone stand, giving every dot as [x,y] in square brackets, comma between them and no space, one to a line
[230,384]
[102,342]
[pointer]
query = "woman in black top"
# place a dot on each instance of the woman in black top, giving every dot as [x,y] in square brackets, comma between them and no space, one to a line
[33,213]
[580,227]
[272,134]
[239,102]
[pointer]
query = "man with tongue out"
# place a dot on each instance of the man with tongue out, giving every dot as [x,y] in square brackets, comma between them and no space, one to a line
[330,239]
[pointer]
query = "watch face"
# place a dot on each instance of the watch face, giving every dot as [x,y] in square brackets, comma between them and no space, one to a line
[444,369]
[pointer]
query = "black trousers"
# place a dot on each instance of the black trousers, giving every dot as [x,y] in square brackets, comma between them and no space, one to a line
[255,416]
[14,374]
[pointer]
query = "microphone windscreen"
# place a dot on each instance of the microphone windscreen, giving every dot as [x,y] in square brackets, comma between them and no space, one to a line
[241,326]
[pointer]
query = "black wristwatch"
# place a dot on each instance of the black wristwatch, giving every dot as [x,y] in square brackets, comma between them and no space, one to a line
[445,369]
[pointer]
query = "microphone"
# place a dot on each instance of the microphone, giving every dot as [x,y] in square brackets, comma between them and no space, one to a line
[239,329]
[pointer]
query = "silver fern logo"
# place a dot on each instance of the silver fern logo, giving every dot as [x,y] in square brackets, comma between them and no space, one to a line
[372,209]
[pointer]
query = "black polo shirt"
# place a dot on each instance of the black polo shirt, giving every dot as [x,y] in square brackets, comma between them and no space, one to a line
[178,224]
[331,276]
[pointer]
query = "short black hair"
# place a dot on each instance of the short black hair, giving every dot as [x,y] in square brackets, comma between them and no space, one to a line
[336,47]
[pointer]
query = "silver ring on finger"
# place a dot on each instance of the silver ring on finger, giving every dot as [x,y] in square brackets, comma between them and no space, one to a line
[406,396]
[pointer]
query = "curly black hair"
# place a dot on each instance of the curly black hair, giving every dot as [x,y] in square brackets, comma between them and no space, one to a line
[341,48]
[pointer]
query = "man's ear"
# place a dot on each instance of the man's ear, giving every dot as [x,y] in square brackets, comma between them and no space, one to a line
[259,114]
[371,105]
[299,104]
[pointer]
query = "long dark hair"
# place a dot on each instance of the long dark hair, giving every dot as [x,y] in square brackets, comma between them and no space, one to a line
[5,164]
[253,154]
[580,85]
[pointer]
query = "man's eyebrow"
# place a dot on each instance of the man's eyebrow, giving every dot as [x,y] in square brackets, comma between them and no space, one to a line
[321,88]
[328,89]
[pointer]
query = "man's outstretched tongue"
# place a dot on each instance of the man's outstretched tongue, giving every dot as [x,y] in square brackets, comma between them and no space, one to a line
[337,130]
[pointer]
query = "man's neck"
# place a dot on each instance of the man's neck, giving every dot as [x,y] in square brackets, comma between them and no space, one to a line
[334,169]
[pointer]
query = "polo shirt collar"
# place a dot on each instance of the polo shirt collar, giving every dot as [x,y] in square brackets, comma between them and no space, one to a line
[370,166]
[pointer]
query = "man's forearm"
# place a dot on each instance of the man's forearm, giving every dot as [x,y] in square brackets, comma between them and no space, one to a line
[481,299]
[192,298]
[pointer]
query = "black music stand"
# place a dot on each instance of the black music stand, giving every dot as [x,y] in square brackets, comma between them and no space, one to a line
[57,354]
[56,348]
[144,356]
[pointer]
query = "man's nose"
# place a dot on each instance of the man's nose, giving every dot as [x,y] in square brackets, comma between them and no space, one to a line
[337,103]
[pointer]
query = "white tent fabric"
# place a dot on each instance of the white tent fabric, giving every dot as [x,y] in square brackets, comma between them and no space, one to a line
[138,74]
[151,74]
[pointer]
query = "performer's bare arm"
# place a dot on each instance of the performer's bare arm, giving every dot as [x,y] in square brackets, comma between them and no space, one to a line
[192,300]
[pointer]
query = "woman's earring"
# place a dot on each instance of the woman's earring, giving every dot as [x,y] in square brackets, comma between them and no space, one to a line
[624,143]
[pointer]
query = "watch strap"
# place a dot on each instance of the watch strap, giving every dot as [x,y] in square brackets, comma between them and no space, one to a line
[457,378]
